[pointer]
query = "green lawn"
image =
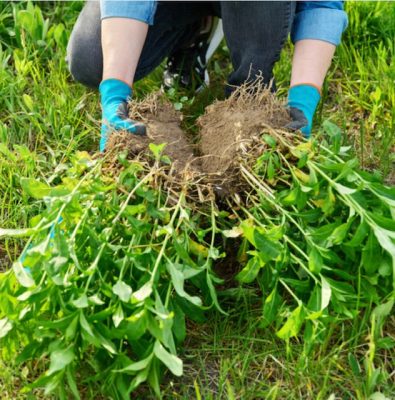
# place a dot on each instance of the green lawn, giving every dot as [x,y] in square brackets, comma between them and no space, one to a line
[45,118]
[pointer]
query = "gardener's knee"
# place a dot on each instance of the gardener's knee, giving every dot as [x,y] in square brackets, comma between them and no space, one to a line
[85,68]
[84,53]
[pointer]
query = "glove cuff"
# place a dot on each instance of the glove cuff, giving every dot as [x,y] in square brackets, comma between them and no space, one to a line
[308,84]
[304,96]
[114,90]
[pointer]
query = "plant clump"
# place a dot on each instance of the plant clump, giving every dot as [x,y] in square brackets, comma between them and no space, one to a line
[125,251]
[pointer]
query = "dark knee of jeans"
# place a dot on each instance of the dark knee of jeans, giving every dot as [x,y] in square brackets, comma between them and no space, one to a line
[81,75]
[82,69]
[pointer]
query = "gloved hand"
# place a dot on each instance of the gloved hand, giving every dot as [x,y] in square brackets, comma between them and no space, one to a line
[302,103]
[114,96]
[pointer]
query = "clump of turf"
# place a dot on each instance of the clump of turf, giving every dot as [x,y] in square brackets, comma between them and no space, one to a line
[163,126]
[231,129]
[231,133]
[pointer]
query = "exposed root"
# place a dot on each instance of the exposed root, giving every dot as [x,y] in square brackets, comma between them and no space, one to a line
[230,136]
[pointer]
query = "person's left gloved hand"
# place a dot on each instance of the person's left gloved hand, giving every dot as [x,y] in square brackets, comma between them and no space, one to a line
[302,103]
[114,97]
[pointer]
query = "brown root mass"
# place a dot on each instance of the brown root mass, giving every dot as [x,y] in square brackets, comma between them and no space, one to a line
[230,131]
[230,135]
[163,126]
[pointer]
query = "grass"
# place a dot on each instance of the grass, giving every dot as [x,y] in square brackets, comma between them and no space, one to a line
[45,118]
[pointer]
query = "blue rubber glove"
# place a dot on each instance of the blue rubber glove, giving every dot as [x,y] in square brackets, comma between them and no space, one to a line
[302,103]
[114,97]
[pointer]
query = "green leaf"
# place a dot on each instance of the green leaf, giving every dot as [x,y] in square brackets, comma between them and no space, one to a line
[385,268]
[86,327]
[339,234]
[135,209]
[60,358]
[35,188]
[138,379]
[71,329]
[171,361]
[345,190]
[355,367]
[386,343]
[28,101]
[271,308]
[386,194]
[72,384]
[118,316]
[154,377]
[141,294]
[293,324]
[95,299]
[315,261]
[29,351]
[359,235]
[248,228]
[177,278]
[138,365]
[292,196]
[122,290]
[5,327]
[387,243]
[270,140]
[370,254]
[136,325]
[322,233]
[326,293]
[81,302]
[384,222]
[193,312]
[250,271]
[157,149]
[183,253]
[213,293]
[23,277]
[269,250]
[179,327]
[328,203]
[270,169]
[335,134]
[383,310]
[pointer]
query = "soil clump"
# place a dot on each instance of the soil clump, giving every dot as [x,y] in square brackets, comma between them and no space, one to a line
[163,126]
[230,135]
[231,130]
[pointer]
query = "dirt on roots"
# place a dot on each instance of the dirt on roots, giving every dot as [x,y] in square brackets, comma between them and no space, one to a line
[229,135]
[163,126]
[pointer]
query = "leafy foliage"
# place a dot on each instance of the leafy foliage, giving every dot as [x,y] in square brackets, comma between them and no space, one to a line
[318,231]
[116,263]
[109,280]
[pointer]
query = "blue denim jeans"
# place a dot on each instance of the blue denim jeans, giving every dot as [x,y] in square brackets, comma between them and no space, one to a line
[255,33]
[319,20]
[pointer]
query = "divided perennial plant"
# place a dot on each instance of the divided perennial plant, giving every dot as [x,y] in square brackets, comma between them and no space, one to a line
[117,261]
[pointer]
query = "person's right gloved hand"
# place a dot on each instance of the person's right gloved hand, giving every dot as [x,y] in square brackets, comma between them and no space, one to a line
[114,101]
[302,103]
